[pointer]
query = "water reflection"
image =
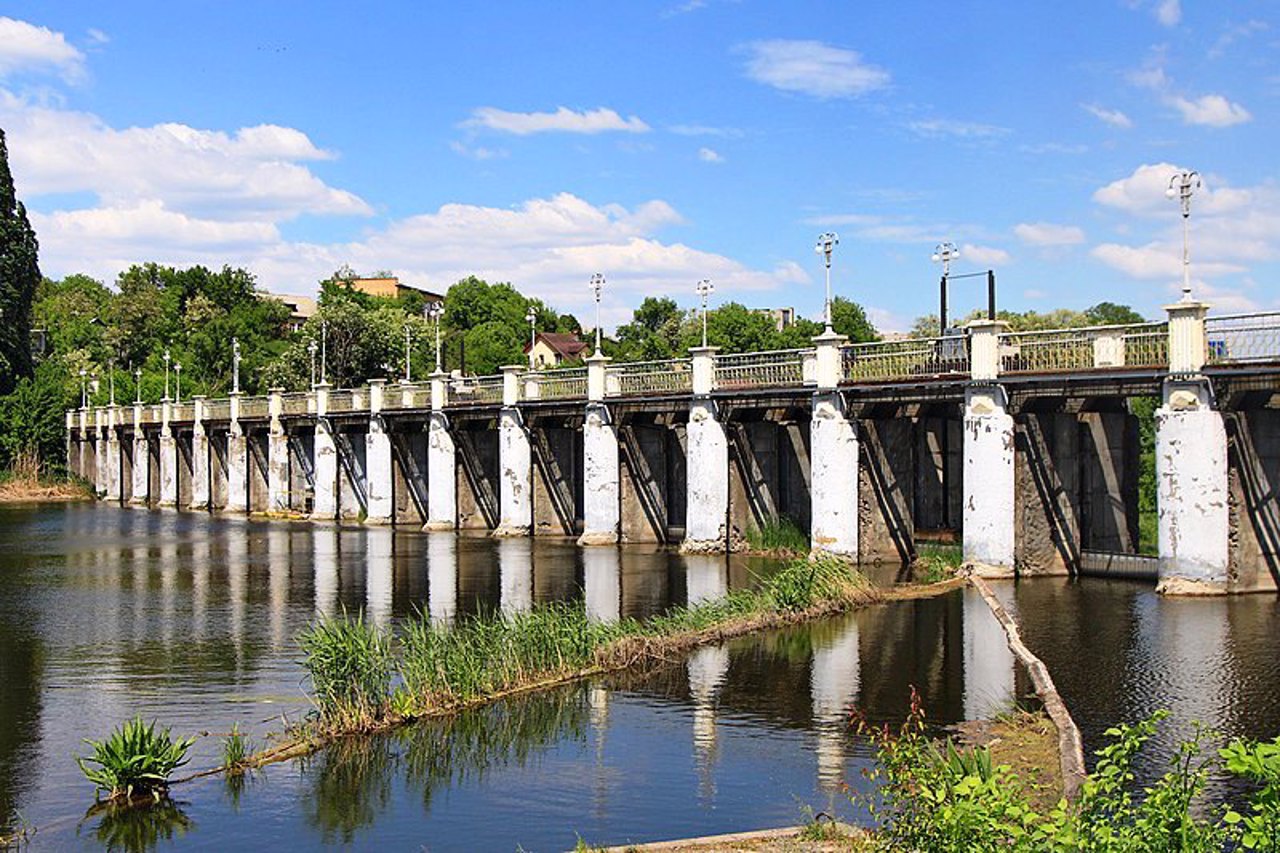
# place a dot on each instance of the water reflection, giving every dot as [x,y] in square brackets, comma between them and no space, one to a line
[442,577]
[379,565]
[834,681]
[602,584]
[988,664]
[708,667]
[324,561]
[515,569]
[138,828]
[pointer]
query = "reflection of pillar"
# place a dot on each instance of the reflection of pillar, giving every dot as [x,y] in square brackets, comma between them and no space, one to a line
[833,685]
[708,666]
[237,581]
[442,577]
[378,576]
[707,506]
[324,561]
[1187,650]
[278,582]
[377,457]
[442,482]
[602,584]
[515,573]
[706,578]
[988,663]
[201,561]
[168,566]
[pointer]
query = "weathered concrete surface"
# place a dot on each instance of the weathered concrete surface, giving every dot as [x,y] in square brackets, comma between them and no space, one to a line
[325,501]
[409,476]
[886,527]
[556,456]
[113,489]
[168,469]
[353,477]
[477,476]
[769,477]
[100,463]
[153,468]
[1192,493]
[1253,460]
[601,487]
[185,469]
[1109,455]
[1047,484]
[237,470]
[515,487]
[140,480]
[835,453]
[380,488]
[989,530]
[278,485]
[442,475]
[938,496]
[126,468]
[652,482]
[218,466]
[708,480]
[258,445]
[200,486]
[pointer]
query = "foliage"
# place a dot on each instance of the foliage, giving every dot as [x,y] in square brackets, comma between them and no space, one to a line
[1259,763]
[19,278]
[1102,314]
[236,749]
[136,759]
[1144,409]
[936,563]
[32,428]
[349,662]
[778,535]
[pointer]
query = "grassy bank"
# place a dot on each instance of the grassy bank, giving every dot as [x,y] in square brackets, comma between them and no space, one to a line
[19,487]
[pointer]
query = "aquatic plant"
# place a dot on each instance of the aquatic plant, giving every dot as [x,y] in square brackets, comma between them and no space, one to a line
[236,749]
[780,535]
[137,759]
[350,665]
[122,827]
[936,562]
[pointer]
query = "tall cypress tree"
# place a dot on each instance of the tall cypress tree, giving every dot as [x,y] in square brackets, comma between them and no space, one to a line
[19,276]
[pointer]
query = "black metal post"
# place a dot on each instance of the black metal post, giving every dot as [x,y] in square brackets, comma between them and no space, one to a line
[991,294]
[942,306]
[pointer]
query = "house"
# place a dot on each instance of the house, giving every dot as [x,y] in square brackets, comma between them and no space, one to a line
[781,317]
[554,348]
[301,308]
[390,287]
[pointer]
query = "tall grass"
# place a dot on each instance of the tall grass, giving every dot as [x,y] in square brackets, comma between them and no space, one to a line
[936,562]
[780,535]
[350,664]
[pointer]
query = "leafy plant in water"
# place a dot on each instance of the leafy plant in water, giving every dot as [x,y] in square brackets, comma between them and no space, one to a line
[136,759]
[236,749]
[349,661]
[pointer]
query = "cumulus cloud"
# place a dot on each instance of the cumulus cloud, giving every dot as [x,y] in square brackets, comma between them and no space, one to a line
[984,256]
[709,155]
[1168,12]
[812,68]
[563,120]
[1115,118]
[941,127]
[1048,234]
[24,47]
[1210,110]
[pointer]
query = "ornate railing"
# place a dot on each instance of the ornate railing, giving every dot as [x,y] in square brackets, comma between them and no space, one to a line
[885,361]
[567,384]
[1064,350]
[476,390]
[639,378]
[760,369]
[340,402]
[1240,338]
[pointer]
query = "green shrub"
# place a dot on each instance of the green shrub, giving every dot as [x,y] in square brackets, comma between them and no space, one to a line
[778,535]
[1259,763]
[135,759]
[349,661]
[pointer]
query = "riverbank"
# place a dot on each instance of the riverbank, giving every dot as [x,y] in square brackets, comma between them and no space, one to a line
[16,489]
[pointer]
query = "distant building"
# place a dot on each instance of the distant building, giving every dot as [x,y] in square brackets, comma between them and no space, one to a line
[782,317]
[554,348]
[390,287]
[301,308]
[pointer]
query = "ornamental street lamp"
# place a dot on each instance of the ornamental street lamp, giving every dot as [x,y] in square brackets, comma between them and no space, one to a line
[435,311]
[532,316]
[826,243]
[1181,186]
[177,379]
[597,287]
[167,359]
[944,254]
[137,385]
[313,348]
[84,389]
[704,289]
[235,365]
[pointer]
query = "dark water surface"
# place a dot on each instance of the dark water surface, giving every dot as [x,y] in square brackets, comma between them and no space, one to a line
[190,619]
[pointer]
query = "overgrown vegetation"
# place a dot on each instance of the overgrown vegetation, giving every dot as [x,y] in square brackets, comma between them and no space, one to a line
[935,796]
[778,536]
[936,562]
[136,760]
[236,749]
[349,661]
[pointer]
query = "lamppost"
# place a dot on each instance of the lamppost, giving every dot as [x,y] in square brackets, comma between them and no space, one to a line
[1181,186]
[826,243]
[532,316]
[597,287]
[84,388]
[705,288]
[944,254]
[137,385]
[111,380]
[435,311]
[408,368]
[177,382]
[324,352]
[235,365]
[167,359]
[313,348]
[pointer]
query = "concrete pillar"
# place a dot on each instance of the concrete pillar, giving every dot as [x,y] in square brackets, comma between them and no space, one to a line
[515,460]
[988,482]
[200,491]
[707,510]
[325,505]
[100,452]
[168,457]
[601,507]
[114,486]
[237,461]
[277,455]
[379,485]
[833,456]
[141,465]
[442,482]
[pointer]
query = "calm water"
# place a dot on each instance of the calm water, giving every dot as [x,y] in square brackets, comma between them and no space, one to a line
[110,612]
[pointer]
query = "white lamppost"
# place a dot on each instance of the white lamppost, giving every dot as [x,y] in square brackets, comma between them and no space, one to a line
[235,365]
[532,316]
[312,349]
[705,288]
[324,352]
[597,287]
[167,359]
[1181,186]
[177,380]
[111,380]
[944,253]
[435,311]
[408,368]
[137,385]
[84,388]
[826,243]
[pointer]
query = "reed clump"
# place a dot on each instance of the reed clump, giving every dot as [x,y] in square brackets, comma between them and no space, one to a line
[350,664]
[780,535]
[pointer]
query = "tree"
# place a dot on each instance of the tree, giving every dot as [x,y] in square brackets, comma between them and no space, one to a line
[1111,314]
[654,331]
[849,319]
[19,278]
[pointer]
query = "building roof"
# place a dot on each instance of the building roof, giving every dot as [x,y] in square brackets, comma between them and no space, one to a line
[564,344]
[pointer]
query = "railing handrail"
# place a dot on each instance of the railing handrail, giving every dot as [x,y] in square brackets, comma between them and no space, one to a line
[1086,331]
[1242,316]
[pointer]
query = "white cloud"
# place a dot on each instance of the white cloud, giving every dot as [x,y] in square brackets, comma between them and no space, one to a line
[709,155]
[477,152]
[1048,234]
[984,256]
[704,130]
[1210,110]
[1169,12]
[563,120]
[1115,118]
[97,36]
[812,68]
[25,46]
[940,127]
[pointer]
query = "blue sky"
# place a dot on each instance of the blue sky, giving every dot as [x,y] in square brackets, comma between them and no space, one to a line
[658,143]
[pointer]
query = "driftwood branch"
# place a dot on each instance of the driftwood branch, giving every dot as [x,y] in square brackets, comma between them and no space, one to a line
[1070,747]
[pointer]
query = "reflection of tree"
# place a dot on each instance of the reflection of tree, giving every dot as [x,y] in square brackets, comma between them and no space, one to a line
[351,785]
[138,827]
[450,752]
[21,665]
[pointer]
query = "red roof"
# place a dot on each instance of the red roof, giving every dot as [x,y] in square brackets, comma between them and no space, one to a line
[564,344]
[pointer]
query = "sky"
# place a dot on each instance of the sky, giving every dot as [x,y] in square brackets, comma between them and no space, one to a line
[659,143]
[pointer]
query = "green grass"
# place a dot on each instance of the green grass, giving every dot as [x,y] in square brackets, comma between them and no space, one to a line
[781,535]
[236,749]
[936,562]
[136,760]
[350,664]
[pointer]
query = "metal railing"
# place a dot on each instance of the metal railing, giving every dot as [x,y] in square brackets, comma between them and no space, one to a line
[1241,338]
[567,384]
[885,361]
[476,390]
[638,378]
[779,368]
[1087,348]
